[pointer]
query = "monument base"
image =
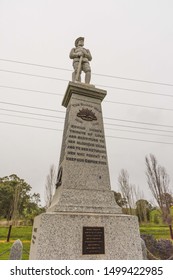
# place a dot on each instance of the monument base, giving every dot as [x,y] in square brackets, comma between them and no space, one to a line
[85,236]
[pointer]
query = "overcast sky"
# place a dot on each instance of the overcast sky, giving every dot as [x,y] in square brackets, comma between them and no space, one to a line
[129,39]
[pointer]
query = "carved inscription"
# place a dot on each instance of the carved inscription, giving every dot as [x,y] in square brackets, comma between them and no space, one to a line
[86,145]
[93,240]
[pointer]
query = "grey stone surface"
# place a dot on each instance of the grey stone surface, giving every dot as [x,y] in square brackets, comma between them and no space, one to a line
[85,182]
[16,250]
[59,236]
[83,197]
[81,200]
[81,58]
[84,90]
[144,250]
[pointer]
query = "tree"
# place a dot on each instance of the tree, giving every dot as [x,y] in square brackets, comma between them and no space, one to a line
[16,200]
[16,197]
[167,199]
[50,186]
[6,200]
[127,191]
[143,208]
[33,207]
[14,192]
[158,182]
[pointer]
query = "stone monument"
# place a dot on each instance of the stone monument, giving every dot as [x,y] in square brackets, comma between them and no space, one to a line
[84,222]
[16,250]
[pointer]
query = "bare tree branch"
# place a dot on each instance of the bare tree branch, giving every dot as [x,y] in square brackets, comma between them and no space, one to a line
[50,185]
[158,182]
[127,190]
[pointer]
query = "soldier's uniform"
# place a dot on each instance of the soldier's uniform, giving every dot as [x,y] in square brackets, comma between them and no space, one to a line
[75,54]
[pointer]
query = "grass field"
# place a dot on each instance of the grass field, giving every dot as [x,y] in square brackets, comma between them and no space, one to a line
[24,234]
[5,247]
[159,232]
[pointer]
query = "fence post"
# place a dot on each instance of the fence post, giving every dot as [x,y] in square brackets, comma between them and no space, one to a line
[9,233]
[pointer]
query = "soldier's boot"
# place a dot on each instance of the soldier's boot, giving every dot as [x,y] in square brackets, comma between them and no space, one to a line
[87,77]
[73,76]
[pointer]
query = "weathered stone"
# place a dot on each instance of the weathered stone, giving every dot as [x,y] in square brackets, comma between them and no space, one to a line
[83,198]
[16,250]
[85,182]
[144,250]
[81,58]
[59,236]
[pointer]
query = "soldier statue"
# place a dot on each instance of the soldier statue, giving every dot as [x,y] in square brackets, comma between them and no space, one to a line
[81,58]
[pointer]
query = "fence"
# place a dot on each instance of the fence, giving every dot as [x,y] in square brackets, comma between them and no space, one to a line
[16,251]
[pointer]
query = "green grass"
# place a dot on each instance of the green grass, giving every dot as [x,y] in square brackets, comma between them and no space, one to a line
[157,231]
[5,247]
[24,234]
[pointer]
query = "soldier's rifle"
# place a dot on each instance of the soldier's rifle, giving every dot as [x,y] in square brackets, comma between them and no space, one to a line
[79,68]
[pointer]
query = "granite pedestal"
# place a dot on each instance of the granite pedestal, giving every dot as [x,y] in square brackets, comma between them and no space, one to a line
[84,221]
[60,236]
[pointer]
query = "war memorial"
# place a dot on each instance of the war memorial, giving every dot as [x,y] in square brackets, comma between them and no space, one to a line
[84,222]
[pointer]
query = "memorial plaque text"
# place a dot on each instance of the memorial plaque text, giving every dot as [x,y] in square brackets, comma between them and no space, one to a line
[93,240]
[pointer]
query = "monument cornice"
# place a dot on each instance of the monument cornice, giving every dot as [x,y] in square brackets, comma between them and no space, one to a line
[84,90]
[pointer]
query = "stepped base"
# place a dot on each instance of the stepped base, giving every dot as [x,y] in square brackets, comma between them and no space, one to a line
[78,200]
[82,236]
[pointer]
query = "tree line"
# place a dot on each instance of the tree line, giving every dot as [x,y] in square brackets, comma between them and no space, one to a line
[131,199]
[17,201]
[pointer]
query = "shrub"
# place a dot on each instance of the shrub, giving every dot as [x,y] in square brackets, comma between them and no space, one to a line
[161,248]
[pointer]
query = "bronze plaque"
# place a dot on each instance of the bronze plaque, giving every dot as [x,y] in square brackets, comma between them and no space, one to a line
[93,240]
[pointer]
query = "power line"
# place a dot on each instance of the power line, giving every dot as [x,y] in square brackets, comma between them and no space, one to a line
[53,78]
[30,118]
[115,119]
[145,123]
[102,75]
[119,125]
[31,90]
[33,126]
[140,140]
[33,75]
[138,132]
[136,90]
[117,88]
[36,114]
[107,128]
[34,64]
[143,128]
[142,106]
[135,80]
[32,107]
[115,102]
[116,137]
